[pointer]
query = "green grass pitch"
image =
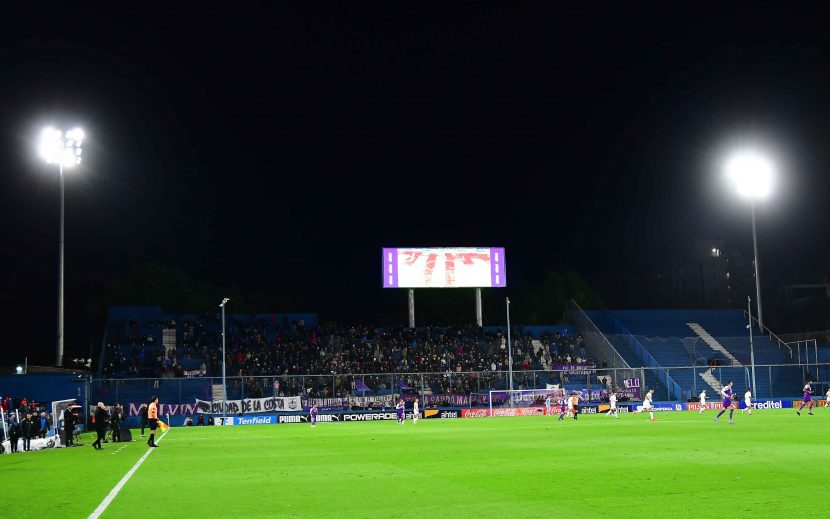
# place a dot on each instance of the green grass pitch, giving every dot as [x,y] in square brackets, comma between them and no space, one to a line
[770,464]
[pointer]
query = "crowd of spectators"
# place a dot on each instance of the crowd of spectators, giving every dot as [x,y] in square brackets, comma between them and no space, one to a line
[260,347]
[23,420]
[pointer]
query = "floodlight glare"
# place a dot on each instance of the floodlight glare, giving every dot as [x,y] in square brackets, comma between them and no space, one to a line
[751,173]
[59,148]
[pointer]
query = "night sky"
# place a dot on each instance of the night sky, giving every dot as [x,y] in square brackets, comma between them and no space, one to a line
[278,148]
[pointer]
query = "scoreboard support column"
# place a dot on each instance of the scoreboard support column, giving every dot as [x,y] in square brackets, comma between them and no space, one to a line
[411,308]
[478,307]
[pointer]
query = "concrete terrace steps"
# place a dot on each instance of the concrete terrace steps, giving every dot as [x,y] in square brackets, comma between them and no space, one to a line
[537,345]
[713,343]
[711,380]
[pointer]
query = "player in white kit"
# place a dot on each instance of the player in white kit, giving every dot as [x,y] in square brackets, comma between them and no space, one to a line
[547,405]
[747,402]
[827,399]
[612,402]
[415,411]
[702,397]
[647,405]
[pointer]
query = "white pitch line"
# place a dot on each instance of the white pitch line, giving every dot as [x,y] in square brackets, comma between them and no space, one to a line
[122,448]
[114,492]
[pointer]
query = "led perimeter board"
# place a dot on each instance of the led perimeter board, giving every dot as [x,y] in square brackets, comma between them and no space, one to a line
[443,267]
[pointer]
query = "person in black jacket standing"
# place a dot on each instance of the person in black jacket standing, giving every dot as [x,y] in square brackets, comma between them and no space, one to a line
[27,430]
[69,427]
[115,422]
[100,425]
[144,420]
[14,433]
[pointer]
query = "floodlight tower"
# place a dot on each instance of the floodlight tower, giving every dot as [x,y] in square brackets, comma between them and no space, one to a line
[64,149]
[751,173]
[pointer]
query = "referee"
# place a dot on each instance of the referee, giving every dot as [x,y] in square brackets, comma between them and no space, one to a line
[153,417]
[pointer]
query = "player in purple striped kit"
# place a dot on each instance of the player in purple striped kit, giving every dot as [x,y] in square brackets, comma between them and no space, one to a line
[399,408]
[314,415]
[727,402]
[808,397]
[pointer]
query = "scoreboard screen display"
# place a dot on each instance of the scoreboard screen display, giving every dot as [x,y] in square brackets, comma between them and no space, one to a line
[443,267]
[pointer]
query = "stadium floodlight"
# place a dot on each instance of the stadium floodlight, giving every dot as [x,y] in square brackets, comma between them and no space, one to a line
[18,370]
[224,382]
[63,148]
[752,173]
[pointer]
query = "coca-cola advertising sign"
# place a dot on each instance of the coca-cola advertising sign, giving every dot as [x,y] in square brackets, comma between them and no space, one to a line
[503,411]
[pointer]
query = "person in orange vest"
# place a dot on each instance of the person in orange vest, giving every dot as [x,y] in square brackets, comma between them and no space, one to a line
[153,418]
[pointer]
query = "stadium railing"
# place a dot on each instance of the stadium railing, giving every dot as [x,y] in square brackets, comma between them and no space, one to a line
[773,381]
[598,346]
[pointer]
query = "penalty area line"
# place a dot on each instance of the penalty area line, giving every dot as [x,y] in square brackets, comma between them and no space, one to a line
[114,492]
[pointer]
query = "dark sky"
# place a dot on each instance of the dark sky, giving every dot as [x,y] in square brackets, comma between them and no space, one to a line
[279,147]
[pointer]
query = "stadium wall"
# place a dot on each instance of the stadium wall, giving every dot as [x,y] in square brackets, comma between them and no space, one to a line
[43,388]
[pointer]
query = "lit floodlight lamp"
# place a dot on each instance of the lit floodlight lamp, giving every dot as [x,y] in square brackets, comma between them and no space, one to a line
[19,370]
[751,173]
[64,149]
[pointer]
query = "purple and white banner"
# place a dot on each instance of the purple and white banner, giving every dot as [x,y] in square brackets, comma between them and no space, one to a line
[134,409]
[631,382]
[443,267]
[251,405]
[451,400]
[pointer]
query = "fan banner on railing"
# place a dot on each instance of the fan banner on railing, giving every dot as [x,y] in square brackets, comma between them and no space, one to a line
[251,405]
[576,369]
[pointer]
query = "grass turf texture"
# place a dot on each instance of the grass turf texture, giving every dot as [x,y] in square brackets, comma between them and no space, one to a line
[766,465]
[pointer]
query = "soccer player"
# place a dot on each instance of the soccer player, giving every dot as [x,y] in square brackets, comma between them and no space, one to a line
[726,392]
[647,404]
[547,405]
[575,406]
[564,405]
[415,411]
[702,397]
[612,402]
[747,402]
[153,418]
[399,408]
[827,399]
[314,415]
[808,397]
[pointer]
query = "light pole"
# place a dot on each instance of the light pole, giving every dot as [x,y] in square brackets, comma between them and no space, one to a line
[63,149]
[751,346]
[509,352]
[752,175]
[224,387]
